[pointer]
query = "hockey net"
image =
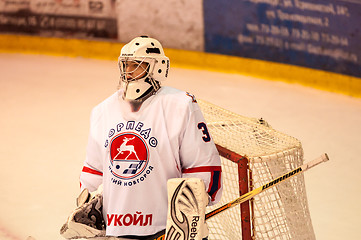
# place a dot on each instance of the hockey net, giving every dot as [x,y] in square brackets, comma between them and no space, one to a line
[253,153]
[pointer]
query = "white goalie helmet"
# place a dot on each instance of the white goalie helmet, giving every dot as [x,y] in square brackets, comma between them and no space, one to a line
[143,66]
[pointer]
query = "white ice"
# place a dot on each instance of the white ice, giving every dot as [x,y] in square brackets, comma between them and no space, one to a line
[45,105]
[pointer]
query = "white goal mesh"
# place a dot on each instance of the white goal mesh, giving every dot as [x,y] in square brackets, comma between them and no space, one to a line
[277,213]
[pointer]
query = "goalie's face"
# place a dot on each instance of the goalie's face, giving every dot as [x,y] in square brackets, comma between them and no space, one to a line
[131,70]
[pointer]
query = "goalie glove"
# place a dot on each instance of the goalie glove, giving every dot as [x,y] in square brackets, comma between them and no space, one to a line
[187,201]
[86,220]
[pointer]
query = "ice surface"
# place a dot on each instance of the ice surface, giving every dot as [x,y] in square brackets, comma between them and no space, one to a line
[45,104]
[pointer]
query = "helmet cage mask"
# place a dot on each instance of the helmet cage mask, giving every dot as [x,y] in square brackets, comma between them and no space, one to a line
[137,79]
[136,75]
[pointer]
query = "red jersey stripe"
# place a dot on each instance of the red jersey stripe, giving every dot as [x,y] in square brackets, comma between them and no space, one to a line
[92,171]
[203,169]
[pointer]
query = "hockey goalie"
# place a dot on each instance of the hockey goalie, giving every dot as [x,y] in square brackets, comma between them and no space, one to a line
[140,137]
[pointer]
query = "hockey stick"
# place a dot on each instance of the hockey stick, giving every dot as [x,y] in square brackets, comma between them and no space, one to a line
[247,196]
[274,182]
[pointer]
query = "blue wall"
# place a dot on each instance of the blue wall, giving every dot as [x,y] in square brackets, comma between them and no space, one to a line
[317,34]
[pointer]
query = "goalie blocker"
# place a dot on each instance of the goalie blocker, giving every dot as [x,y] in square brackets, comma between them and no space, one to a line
[187,201]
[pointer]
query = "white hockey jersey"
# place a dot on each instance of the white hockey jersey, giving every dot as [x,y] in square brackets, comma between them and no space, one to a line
[134,154]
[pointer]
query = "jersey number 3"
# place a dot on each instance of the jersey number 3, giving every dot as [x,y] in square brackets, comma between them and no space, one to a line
[202,126]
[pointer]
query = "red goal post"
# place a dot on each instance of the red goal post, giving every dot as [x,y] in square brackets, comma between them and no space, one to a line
[243,173]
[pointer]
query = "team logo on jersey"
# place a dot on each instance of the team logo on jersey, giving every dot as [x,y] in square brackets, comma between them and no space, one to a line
[129,155]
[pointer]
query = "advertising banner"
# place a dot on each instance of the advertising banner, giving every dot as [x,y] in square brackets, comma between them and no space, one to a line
[60,18]
[319,34]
